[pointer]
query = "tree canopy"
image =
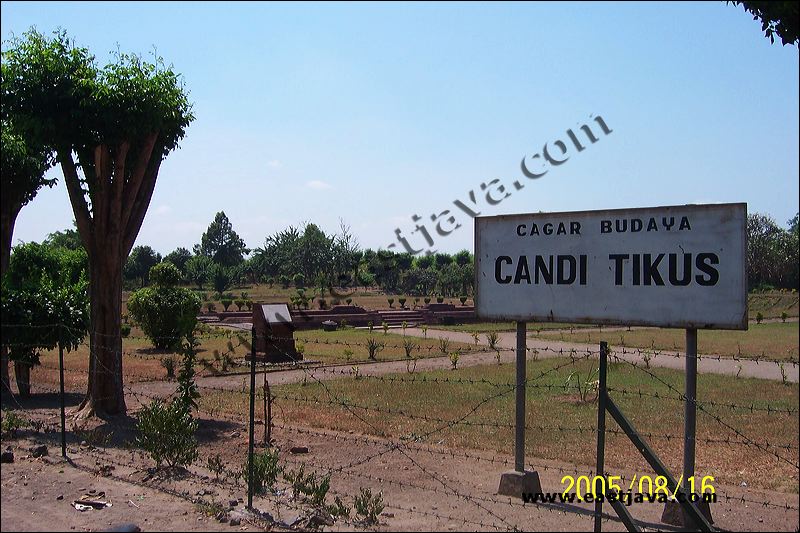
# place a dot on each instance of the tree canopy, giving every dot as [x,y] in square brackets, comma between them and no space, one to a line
[777,18]
[221,243]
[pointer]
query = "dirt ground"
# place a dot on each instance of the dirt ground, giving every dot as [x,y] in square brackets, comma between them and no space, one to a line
[424,487]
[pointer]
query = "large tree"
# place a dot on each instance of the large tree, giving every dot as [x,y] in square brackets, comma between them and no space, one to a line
[221,243]
[111,128]
[139,263]
[777,18]
[24,165]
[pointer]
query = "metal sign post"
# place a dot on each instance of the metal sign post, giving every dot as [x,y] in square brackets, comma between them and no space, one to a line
[690,423]
[520,481]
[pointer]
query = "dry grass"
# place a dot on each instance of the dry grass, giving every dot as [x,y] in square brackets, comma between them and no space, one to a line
[774,340]
[575,442]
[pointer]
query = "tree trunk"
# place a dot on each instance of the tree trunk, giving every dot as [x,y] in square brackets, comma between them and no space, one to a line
[8,218]
[105,395]
[22,371]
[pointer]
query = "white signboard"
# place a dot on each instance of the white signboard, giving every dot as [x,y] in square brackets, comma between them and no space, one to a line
[678,266]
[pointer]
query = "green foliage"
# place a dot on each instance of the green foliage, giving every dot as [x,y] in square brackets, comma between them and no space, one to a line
[773,253]
[179,257]
[492,338]
[463,300]
[215,465]
[210,306]
[125,329]
[444,345]
[187,393]
[338,508]
[374,347]
[139,263]
[13,422]
[439,299]
[427,300]
[265,471]
[409,346]
[454,357]
[23,167]
[391,302]
[777,18]
[300,300]
[198,270]
[759,317]
[299,280]
[165,314]
[221,243]
[784,316]
[167,433]
[226,304]
[222,277]
[42,288]
[368,506]
[402,302]
[69,239]
[168,364]
[165,275]
[239,304]
[316,488]
[385,326]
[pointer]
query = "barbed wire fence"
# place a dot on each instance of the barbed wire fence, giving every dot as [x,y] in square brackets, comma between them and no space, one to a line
[487,510]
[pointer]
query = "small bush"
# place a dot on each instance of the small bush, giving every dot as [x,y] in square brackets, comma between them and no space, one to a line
[226,303]
[12,422]
[165,274]
[166,432]
[759,317]
[385,326]
[215,465]
[427,301]
[165,314]
[308,484]
[265,470]
[493,338]
[454,357]
[439,299]
[391,302]
[338,508]
[402,302]
[463,300]
[444,345]
[168,364]
[373,346]
[784,316]
[369,506]
[211,307]
[239,304]
[409,346]
[349,301]
[348,353]
[125,329]
[323,304]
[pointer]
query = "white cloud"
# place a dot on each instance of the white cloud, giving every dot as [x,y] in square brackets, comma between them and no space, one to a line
[318,185]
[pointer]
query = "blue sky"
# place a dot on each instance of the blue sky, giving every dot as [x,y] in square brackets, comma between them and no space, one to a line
[373,113]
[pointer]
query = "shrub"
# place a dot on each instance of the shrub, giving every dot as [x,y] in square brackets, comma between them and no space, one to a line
[475,337]
[165,274]
[439,299]
[125,329]
[226,304]
[349,301]
[463,300]
[249,304]
[165,314]
[265,470]
[166,432]
[343,323]
[211,307]
[369,506]
[426,300]
[444,344]
[385,326]
[391,302]
[759,317]
[374,347]
[284,280]
[308,484]
[402,302]
[370,325]
[784,316]
[348,353]
[12,422]
[409,346]
[338,508]
[216,465]
[454,357]
[168,364]
[424,329]
[492,337]
[323,304]
[299,280]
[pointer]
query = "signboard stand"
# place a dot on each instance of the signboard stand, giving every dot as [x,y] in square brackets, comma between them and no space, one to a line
[518,481]
[672,511]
